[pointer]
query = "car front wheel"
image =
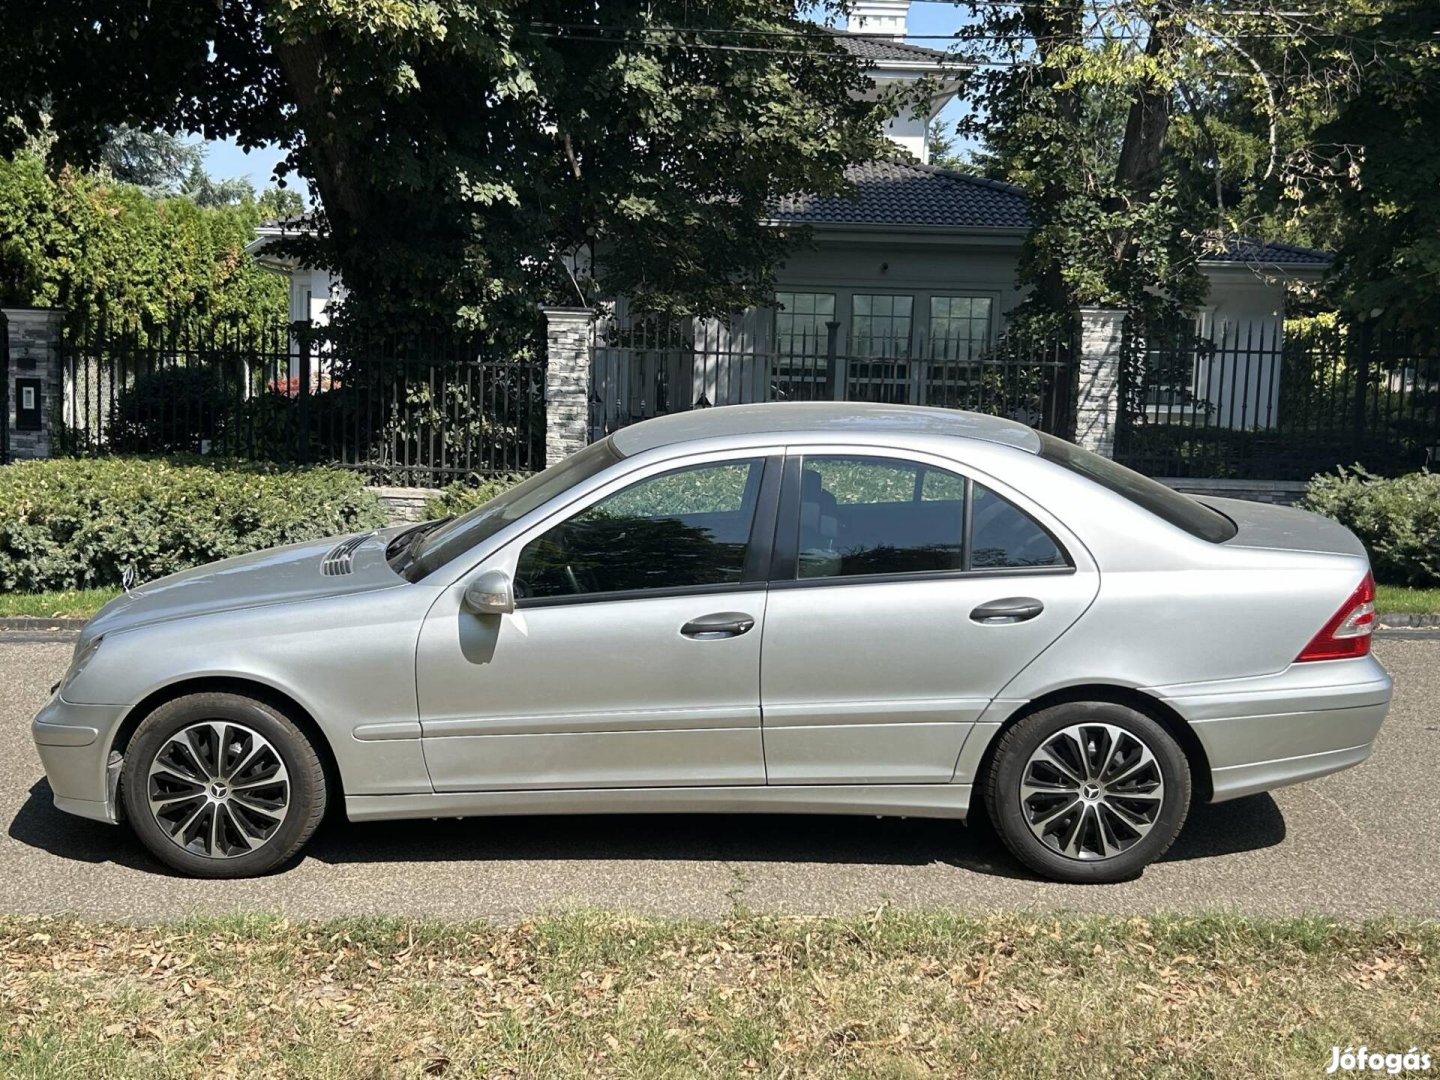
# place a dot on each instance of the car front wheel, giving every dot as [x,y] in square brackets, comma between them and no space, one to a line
[222,785]
[1088,792]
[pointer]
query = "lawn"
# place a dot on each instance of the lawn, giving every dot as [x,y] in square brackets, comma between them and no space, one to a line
[1397,599]
[84,603]
[78,603]
[595,995]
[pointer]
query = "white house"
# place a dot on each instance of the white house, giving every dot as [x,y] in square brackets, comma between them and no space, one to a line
[917,268]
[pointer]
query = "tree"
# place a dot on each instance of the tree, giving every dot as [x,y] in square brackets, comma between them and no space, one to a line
[1120,117]
[81,241]
[1386,137]
[942,143]
[154,161]
[468,153]
[204,190]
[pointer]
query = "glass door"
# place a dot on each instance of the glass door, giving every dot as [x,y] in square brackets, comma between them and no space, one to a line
[880,355]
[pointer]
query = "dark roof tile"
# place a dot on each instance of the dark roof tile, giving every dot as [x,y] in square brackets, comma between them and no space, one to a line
[906,193]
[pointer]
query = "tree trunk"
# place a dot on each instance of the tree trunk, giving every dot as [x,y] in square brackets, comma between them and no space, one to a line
[1138,173]
[345,197]
[1053,24]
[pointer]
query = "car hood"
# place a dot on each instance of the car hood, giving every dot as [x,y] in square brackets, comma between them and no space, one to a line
[304,571]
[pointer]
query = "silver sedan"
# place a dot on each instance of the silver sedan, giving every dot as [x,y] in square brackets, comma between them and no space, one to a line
[790,608]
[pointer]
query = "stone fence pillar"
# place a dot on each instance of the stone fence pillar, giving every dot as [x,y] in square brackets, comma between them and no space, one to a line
[1097,404]
[33,381]
[567,380]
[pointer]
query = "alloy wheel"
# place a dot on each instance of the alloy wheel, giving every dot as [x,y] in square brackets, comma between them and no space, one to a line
[218,789]
[1091,791]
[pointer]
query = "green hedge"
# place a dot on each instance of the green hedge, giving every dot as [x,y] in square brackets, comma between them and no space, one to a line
[461,497]
[1397,519]
[74,524]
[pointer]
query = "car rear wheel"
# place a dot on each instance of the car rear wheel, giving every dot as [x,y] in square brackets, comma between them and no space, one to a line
[222,785]
[1088,792]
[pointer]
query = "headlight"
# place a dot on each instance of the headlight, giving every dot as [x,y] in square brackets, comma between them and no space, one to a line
[83,653]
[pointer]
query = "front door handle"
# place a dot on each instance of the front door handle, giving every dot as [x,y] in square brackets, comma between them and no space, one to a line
[1012,609]
[722,624]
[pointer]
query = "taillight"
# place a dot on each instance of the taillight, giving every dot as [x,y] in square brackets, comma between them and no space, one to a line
[1347,634]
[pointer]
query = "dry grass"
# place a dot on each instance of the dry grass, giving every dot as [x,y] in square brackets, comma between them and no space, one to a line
[596,995]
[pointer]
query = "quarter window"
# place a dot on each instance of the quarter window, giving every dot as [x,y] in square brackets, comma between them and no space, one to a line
[1002,536]
[682,528]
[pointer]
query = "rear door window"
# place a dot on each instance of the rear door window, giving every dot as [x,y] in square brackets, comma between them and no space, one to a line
[863,516]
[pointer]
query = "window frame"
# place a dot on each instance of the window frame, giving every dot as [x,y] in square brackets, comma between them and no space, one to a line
[758,557]
[785,550]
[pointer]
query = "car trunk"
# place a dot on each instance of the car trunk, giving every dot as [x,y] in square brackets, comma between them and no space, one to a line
[1284,528]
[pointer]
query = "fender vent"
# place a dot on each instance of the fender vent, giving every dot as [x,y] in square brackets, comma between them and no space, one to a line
[341,558]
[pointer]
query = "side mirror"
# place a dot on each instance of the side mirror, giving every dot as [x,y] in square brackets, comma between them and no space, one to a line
[490,594]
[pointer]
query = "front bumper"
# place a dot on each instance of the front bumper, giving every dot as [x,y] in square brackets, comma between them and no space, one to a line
[74,744]
[1265,732]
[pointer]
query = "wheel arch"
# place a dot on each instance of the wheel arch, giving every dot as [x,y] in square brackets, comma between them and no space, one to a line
[297,713]
[1175,725]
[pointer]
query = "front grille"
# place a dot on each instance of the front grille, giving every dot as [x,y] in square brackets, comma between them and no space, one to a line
[341,558]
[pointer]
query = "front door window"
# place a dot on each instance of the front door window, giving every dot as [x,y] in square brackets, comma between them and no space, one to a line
[679,529]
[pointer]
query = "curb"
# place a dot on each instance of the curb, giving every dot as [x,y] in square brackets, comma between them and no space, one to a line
[29,622]
[1409,622]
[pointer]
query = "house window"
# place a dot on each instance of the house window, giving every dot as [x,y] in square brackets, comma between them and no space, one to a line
[800,319]
[959,327]
[799,372]
[880,348]
[880,325]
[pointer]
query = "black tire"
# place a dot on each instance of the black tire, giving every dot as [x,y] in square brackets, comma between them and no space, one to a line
[1010,816]
[306,790]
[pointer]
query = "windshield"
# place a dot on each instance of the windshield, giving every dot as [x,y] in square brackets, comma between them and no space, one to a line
[1179,510]
[462,533]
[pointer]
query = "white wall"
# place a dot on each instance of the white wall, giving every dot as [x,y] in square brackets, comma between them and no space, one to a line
[1244,315]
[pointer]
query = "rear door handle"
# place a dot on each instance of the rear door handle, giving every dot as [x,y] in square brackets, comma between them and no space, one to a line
[722,624]
[1012,609]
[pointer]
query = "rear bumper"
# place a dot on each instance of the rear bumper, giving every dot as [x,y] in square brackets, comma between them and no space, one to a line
[1266,732]
[73,742]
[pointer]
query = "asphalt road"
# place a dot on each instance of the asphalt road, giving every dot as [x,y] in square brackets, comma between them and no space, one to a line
[1364,842]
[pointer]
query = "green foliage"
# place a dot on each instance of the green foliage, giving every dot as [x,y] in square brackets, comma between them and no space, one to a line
[1390,255]
[462,497]
[467,153]
[73,524]
[1397,519]
[157,162]
[72,238]
[168,411]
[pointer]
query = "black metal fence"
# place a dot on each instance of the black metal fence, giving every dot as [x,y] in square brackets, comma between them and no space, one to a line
[651,368]
[411,410]
[4,389]
[1260,400]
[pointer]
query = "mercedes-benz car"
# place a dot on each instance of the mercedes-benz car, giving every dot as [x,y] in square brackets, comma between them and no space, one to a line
[816,608]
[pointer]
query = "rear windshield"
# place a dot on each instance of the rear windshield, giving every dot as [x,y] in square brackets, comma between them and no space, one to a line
[1179,510]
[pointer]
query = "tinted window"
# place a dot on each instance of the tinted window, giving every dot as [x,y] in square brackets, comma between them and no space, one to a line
[864,515]
[462,533]
[686,527]
[1003,536]
[1179,510]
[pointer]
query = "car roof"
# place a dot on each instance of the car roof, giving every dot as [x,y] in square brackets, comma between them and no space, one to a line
[821,419]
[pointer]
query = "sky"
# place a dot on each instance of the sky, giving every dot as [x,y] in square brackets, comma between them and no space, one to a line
[224,159]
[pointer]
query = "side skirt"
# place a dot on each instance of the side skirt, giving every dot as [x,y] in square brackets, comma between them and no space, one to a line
[899,800]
